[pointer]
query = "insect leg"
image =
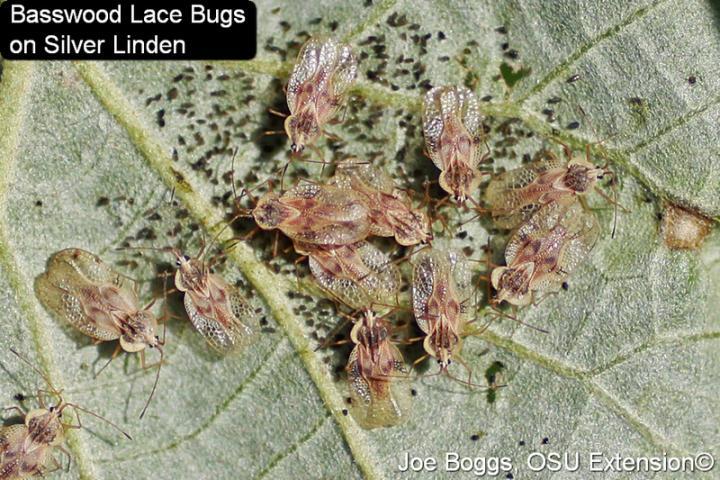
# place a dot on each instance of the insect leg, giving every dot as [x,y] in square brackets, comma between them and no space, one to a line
[16,408]
[272,132]
[419,360]
[326,342]
[282,177]
[462,362]
[397,261]
[78,409]
[566,149]
[275,243]
[297,262]
[144,365]
[115,353]
[545,296]
[277,113]
[332,136]
[56,464]
[514,318]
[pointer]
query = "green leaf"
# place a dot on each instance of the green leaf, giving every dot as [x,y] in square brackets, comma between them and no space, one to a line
[92,153]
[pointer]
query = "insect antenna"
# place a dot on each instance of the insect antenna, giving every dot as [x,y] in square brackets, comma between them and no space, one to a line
[100,417]
[155,384]
[38,371]
[614,184]
[613,201]
[502,314]
[469,383]
[606,171]
[205,249]
[277,113]
[295,157]
[453,377]
[172,250]
[115,353]
[595,133]
[248,191]
[319,153]
[63,404]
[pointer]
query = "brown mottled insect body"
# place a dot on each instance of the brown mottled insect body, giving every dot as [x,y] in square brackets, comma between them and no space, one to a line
[453,130]
[543,252]
[323,73]
[27,449]
[515,195]
[375,372]
[315,214]
[390,211]
[441,291]
[218,310]
[359,275]
[80,288]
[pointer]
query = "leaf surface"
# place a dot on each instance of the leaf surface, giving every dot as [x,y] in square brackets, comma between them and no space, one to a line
[92,153]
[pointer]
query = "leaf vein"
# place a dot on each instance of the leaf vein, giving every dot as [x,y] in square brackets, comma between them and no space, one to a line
[293,448]
[376,14]
[672,126]
[562,67]
[219,409]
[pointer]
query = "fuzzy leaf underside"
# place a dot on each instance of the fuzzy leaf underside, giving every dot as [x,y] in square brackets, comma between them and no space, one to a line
[92,153]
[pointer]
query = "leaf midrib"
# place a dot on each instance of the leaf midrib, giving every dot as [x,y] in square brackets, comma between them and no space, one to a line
[14,98]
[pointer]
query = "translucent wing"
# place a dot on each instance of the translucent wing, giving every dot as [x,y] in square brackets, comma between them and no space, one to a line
[345,70]
[410,227]
[383,282]
[89,266]
[533,230]
[354,173]
[378,402]
[391,213]
[449,108]
[583,232]
[11,435]
[323,66]
[330,216]
[12,454]
[223,316]
[462,279]
[306,68]
[428,265]
[557,239]
[359,275]
[513,196]
[442,298]
[74,288]
[344,289]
